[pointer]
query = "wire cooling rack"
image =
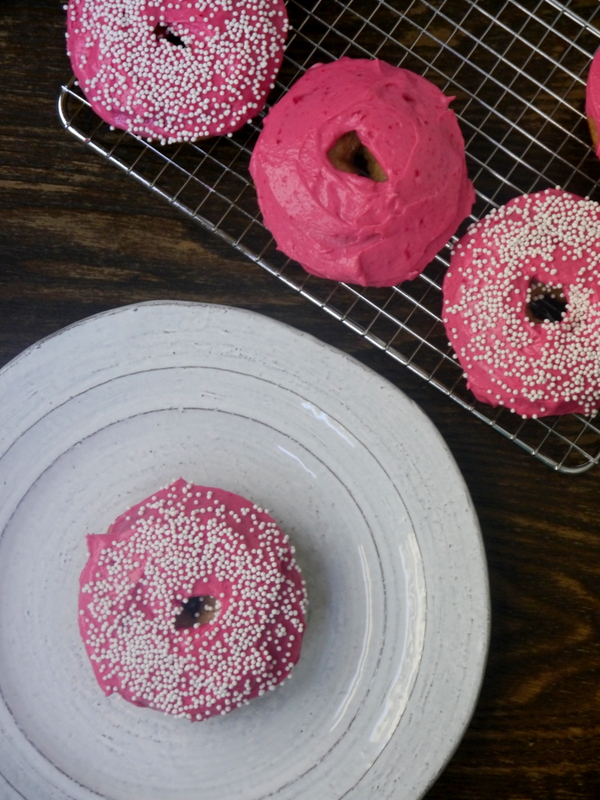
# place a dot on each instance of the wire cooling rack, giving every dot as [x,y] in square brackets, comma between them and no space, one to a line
[517,71]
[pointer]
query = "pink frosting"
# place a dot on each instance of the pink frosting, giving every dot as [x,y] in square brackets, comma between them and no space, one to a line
[176,71]
[592,96]
[533,368]
[191,541]
[348,227]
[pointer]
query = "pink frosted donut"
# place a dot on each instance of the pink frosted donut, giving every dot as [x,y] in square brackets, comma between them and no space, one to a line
[176,71]
[360,172]
[592,101]
[522,305]
[191,603]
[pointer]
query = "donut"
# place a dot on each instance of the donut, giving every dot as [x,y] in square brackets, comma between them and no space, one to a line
[360,172]
[592,101]
[176,71]
[521,305]
[192,603]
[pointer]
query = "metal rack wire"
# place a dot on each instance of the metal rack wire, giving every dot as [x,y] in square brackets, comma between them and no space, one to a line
[517,70]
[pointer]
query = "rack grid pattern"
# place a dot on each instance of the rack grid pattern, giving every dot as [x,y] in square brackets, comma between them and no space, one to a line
[517,71]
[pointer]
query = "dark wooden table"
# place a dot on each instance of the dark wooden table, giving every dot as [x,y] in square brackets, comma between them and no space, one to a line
[77,237]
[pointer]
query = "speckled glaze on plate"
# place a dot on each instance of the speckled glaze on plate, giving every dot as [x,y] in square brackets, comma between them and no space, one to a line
[103,413]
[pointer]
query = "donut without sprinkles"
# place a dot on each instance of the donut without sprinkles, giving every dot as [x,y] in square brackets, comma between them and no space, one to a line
[592,101]
[360,172]
[539,251]
[192,603]
[176,71]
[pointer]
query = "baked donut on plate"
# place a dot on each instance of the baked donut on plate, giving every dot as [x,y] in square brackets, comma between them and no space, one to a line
[360,172]
[522,305]
[176,71]
[192,603]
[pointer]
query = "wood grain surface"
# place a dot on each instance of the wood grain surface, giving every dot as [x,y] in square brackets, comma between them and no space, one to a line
[77,237]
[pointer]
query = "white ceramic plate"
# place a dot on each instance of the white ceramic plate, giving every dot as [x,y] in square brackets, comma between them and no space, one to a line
[102,414]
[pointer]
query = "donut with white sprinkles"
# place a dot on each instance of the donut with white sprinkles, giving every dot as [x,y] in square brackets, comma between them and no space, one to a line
[522,305]
[192,603]
[176,71]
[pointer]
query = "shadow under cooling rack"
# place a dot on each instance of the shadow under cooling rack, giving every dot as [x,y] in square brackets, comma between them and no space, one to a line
[517,72]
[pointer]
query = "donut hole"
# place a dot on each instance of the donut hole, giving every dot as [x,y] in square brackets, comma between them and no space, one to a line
[196,611]
[162,31]
[545,303]
[349,154]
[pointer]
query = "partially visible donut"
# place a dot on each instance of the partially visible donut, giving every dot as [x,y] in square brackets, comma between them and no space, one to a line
[592,101]
[360,172]
[192,603]
[176,71]
[522,305]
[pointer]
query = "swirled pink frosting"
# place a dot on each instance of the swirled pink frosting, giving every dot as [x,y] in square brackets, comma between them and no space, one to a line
[184,542]
[345,226]
[534,368]
[176,71]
